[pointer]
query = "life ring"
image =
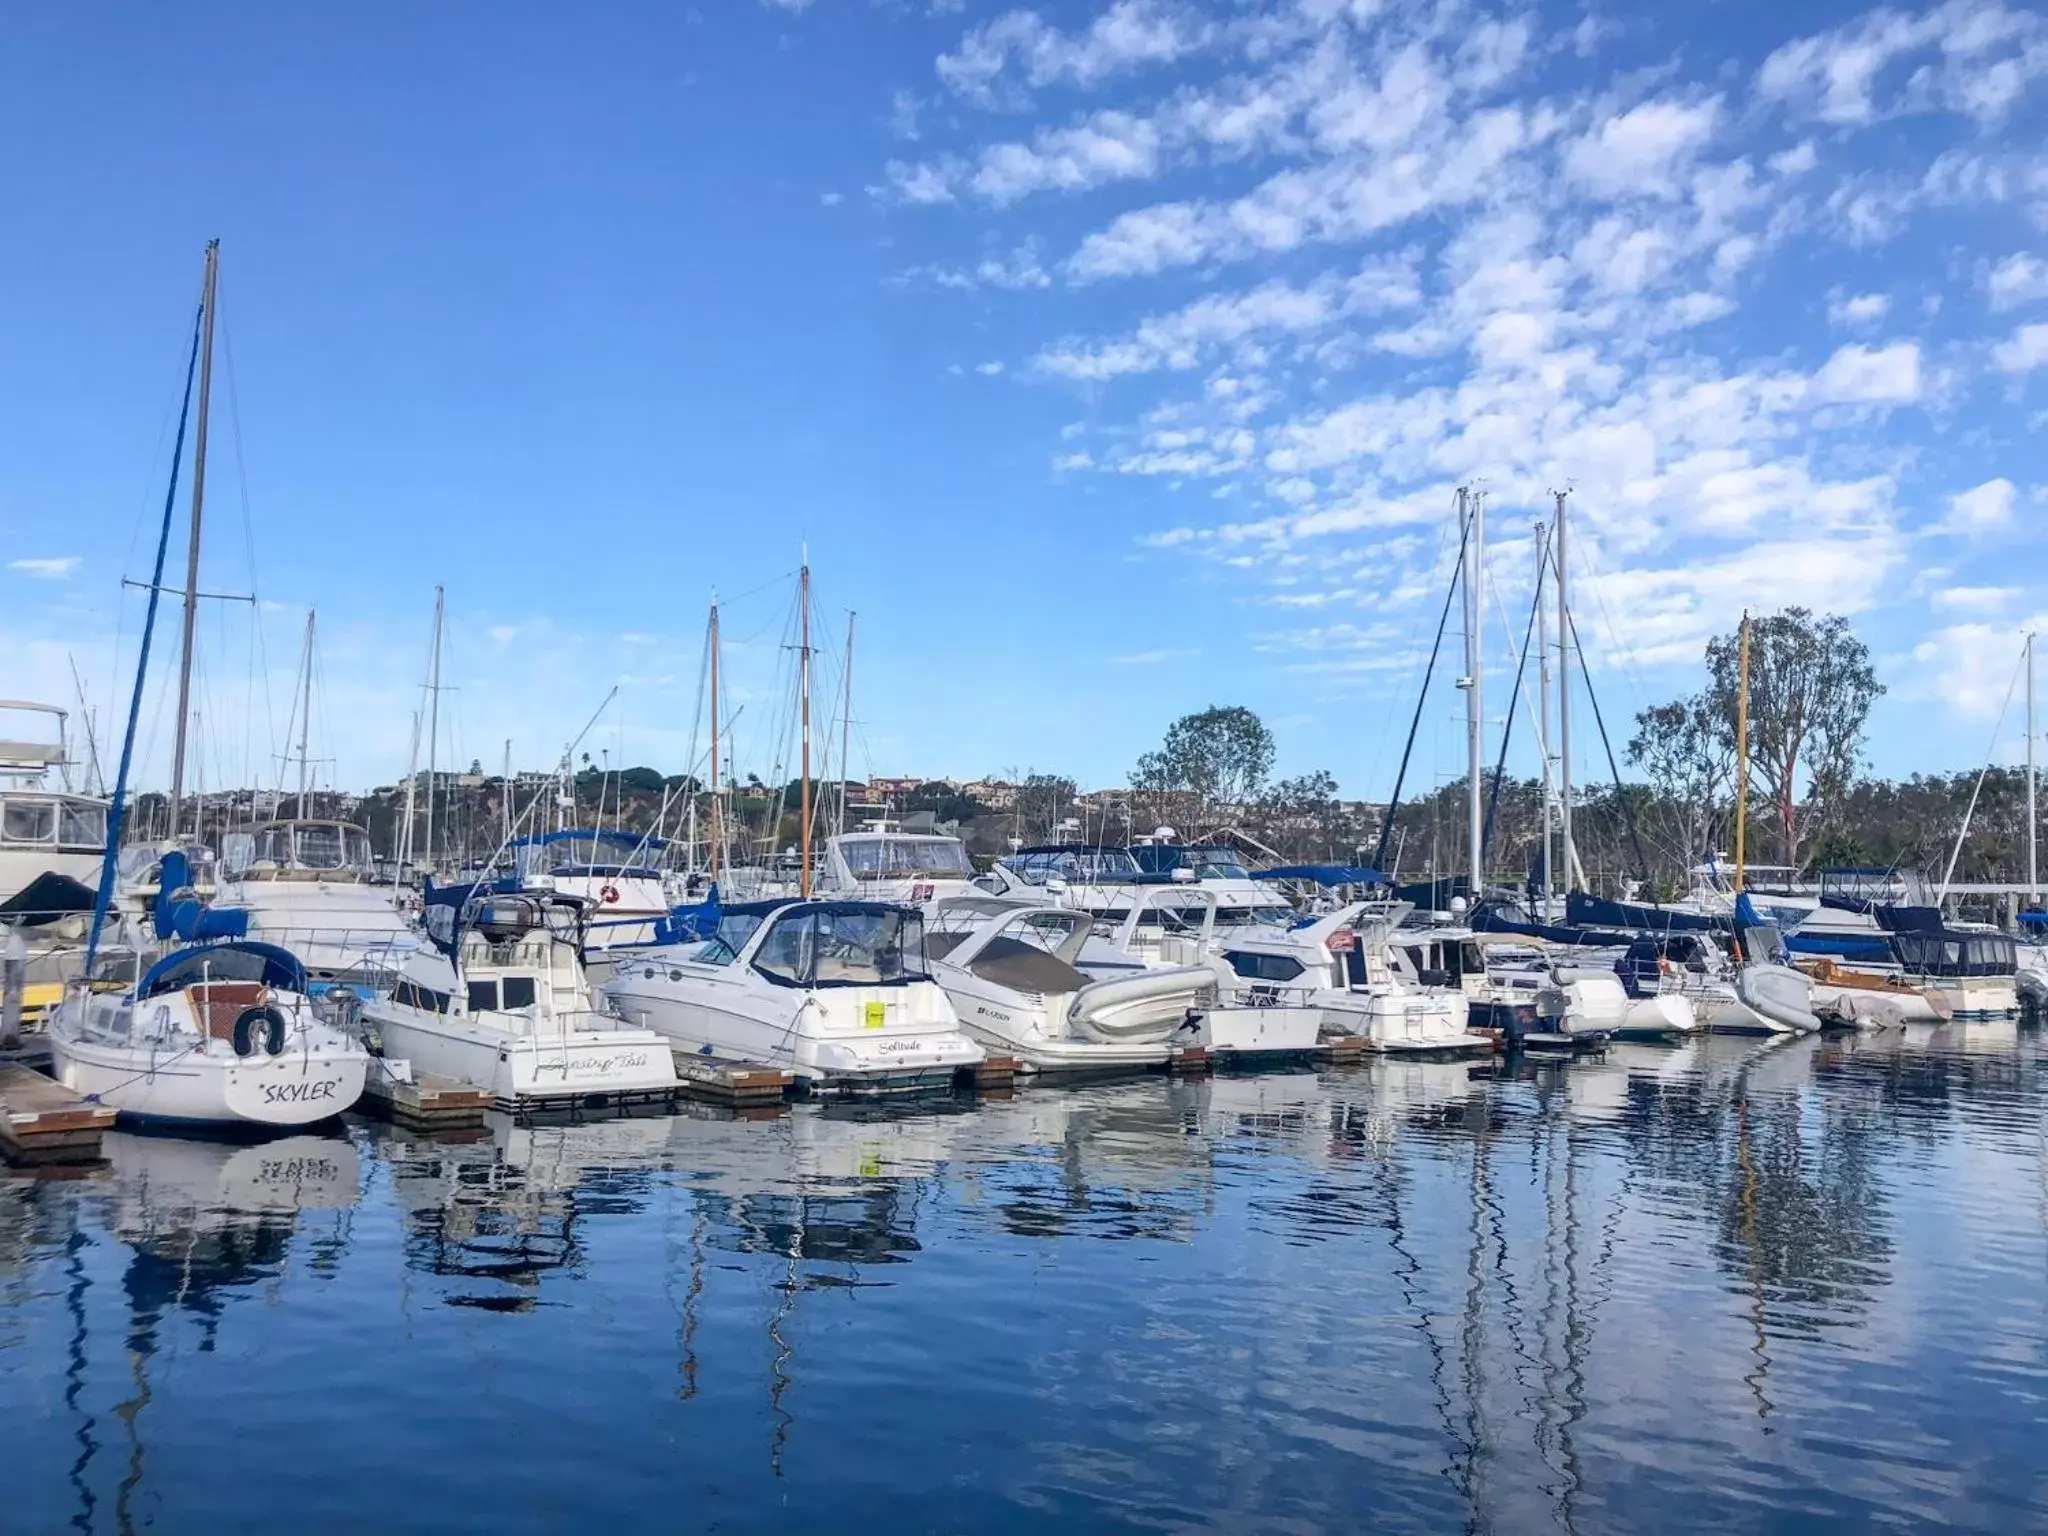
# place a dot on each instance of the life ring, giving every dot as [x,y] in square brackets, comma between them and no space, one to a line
[246,1023]
[609,895]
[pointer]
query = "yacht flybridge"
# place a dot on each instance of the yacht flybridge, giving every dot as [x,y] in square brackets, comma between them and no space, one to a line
[616,875]
[306,886]
[886,863]
[500,999]
[52,838]
[1106,882]
[837,991]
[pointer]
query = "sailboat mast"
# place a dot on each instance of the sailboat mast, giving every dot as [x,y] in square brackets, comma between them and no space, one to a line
[803,603]
[306,713]
[1473,504]
[1742,753]
[1564,701]
[206,306]
[2033,865]
[1543,708]
[845,720]
[433,718]
[717,822]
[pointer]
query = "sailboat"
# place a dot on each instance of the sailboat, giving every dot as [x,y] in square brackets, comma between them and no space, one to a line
[221,1029]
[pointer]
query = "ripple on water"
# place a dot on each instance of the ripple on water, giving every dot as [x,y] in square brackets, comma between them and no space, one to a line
[1713,1286]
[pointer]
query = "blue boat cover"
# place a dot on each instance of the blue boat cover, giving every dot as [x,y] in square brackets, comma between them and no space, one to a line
[1323,874]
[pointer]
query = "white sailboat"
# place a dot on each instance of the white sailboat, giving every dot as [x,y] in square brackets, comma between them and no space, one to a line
[220,1031]
[501,1000]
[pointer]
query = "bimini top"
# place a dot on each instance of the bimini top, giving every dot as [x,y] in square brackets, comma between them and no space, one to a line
[236,960]
[613,836]
[1323,874]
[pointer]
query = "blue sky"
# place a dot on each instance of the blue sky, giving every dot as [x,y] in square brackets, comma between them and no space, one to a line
[1113,360]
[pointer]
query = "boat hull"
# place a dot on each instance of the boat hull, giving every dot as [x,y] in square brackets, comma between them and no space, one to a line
[295,1088]
[521,1071]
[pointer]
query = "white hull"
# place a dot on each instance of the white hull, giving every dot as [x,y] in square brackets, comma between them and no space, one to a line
[1411,1023]
[1260,1031]
[295,1088]
[525,1070]
[857,1038]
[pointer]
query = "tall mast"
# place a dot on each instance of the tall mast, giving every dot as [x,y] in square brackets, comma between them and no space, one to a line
[1543,708]
[505,785]
[206,304]
[803,604]
[2033,865]
[412,778]
[433,718]
[1564,702]
[1742,752]
[306,713]
[845,720]
[717,822]
[1473,504]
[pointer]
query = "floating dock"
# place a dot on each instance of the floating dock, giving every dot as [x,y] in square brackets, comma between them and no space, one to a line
[427,1103]
[43,1122]
[733,1084]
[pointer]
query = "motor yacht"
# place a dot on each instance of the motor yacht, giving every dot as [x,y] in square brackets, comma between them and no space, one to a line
[499,998]
[1012,972]
[887,863]
[836,991]
[306,887]
[617,876]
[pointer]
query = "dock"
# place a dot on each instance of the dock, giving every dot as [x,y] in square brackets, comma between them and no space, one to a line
[42,1122]
[732,1084]
[427,1103]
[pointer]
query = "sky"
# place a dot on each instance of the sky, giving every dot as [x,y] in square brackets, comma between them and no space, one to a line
[1108,360]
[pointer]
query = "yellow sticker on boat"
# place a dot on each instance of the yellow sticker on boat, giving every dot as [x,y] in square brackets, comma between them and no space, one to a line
[877,1015]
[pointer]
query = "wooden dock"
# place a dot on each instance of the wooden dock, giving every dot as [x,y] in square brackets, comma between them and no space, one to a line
[42,1121]
[427,1103]
[1189,1061]
[733,1084]
[993,1074]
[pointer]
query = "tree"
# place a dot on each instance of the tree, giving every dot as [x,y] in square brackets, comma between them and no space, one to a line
[1681,747]
[1043,800]
[1217,758]
[1811,686]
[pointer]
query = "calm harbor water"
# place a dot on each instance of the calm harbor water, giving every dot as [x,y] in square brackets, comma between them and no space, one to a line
[1720,1286]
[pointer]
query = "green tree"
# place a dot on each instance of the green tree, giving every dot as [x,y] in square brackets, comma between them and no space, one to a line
[1217,758]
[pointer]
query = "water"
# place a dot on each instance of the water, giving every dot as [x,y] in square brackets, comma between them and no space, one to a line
[1714,1287]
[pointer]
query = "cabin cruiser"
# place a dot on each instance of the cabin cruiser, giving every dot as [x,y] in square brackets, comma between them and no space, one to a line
[52,839]
[218,1033]
[500,999]
[1341,965]
[616,875]
[836,991]
[1217,868]
[885,863]
[1012,972]
[1106,881]
[306,887]
[1174,926]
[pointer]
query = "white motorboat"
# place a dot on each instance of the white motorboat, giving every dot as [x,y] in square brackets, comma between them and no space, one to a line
[836,991]
[500,999]
[1011,970]
[306,887]
[52,839]
[616,875]
[1106,881]
[887,863]
[1181,925]
[214,1034]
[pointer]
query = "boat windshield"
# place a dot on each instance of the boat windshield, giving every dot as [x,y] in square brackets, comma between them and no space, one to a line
[1076,866]
[724,946]
[321,845]
[824,946]
[1214,864]
[591,854]
[905,858]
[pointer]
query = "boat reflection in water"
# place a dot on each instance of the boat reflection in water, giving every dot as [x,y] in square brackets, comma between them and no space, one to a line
[1515,1296]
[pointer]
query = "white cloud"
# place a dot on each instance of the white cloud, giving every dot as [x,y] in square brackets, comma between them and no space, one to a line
[1858,309]
[2024,351]
[54,568]
[904,107]
[931,182]
[1020,43]
[1859,375]
[1985,59]
[2019,279]
[1110,146]
[1640,152]
[1974,599]
[1148,658]
[831,199]
[1983,508]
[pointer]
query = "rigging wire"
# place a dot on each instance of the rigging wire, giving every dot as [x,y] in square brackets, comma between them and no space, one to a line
[1422,695]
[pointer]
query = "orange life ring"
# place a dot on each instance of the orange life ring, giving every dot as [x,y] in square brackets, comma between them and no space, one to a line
[609,895]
